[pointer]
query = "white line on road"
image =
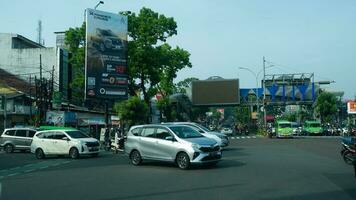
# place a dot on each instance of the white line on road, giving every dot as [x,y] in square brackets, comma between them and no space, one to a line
[30,170]
[243,137]
[13,174]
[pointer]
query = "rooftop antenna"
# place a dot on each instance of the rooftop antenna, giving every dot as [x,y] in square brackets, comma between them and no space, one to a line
[39,33]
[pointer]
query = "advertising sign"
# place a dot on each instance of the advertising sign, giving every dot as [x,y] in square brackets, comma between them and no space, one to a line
[216,92]
[351,107]
[106,55]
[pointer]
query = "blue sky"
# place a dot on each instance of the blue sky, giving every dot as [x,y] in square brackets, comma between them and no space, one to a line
[311,36]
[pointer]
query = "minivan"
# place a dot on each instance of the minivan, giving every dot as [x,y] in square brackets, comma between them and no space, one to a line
[180,144]
[16,139]
[67,141]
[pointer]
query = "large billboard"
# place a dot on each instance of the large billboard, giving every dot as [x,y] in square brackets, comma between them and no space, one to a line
[216,92]
[351,107]
[106,55]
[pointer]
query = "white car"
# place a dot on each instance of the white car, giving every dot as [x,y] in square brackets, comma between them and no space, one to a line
[70,142]
[226,130]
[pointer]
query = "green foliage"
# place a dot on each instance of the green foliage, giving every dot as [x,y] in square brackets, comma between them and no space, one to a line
[292,117]
[151,60]
[199,113]
[181,86]
[326,105]
[242,114]
[75,40]
[132,111]
[166,109]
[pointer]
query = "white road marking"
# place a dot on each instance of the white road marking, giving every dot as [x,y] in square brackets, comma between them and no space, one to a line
[13,174]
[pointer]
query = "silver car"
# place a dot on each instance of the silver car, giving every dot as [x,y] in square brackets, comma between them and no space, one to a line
[16,139]
[174,143]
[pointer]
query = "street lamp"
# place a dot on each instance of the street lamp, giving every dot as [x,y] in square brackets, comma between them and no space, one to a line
[100,2]
[264,91]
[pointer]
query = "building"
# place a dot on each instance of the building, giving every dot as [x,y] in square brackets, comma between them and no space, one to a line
[24,58]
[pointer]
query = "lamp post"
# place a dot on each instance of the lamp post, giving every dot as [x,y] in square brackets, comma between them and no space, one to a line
[100,2]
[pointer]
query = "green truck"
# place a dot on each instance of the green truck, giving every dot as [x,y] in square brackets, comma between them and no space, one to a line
[283,129]
[312,127]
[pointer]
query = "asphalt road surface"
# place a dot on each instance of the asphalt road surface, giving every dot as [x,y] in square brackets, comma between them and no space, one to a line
[252,168]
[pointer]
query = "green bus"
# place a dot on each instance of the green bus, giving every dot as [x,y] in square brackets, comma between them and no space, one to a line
[312,127]
[284,129]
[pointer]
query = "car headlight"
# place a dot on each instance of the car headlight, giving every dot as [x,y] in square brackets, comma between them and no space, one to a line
[196,147]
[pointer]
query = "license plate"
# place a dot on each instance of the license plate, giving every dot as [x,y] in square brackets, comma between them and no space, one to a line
[93,148]
[213,154]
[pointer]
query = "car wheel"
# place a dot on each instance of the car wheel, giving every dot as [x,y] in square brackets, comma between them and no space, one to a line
[347,156]
[40,154]
[135,157]
[74,153]
[9,148]
[183,161]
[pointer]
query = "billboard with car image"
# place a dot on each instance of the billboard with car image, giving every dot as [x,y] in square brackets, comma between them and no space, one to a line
[106,55]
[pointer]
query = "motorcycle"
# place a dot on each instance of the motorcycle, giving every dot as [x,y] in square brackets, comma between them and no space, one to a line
[348,151]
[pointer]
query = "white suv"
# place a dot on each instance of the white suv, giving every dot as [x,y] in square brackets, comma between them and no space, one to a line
[70,142]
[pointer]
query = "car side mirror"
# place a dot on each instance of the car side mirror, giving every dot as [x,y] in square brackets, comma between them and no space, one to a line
[171,138]
[66,138]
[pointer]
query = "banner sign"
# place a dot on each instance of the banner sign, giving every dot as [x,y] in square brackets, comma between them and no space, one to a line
[351,107]
[106,55]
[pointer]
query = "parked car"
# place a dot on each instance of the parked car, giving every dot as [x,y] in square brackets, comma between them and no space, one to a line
[220,138]
[312,128]
[16,139]
[283,129]
[66,141]
[226,130]
[172,143]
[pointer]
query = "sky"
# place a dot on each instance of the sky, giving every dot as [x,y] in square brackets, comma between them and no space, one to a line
[294,36]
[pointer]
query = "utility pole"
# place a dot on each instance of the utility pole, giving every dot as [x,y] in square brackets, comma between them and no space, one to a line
[52,87]
[264,93]
[30,97]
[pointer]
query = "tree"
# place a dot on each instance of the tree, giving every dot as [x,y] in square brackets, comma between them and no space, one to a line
[326,105]
[242,115]
[151,59]
[132,111]
[181,86]
[75,40]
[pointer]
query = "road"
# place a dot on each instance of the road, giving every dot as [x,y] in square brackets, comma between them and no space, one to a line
[252,168]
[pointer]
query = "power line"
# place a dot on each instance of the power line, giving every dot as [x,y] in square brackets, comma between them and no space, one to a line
[295,70]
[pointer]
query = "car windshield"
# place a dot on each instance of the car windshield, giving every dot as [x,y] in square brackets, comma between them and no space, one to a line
[285,125]
[185,132]
[202,127]
[315,125]
[77,134]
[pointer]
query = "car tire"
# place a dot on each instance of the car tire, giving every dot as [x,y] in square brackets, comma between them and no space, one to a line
[9,148]
[74,153]
[135,157]
[40,154]
[347,156]
[183,160]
